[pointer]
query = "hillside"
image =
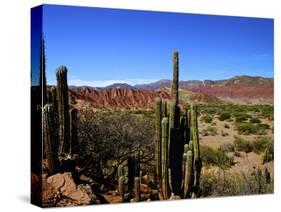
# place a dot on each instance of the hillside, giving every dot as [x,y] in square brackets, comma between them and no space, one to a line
[239,89]
[117,98]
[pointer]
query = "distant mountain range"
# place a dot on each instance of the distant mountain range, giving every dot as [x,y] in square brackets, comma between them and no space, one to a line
[192,84]
[238,89]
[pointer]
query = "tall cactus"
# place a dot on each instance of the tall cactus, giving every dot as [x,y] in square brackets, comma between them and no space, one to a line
[164,159]
[175,84]
[73,137]
[62,96]
[42,80]
[196,150]
[180,152]
[49,139]
[158,103]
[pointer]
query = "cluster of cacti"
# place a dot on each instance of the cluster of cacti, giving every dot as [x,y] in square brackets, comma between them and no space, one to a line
[56,113]
[129,177]
[177,152]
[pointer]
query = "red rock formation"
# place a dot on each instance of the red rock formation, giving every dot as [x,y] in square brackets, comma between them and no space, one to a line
[118,98]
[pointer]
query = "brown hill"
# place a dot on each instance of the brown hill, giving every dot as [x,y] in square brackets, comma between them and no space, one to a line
[240,93]
[238,89]
[117,98]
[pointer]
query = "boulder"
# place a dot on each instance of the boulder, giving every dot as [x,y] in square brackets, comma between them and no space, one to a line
[69,192]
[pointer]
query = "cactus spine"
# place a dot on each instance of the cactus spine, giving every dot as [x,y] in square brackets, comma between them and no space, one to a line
[49,139]
[164,159]
[62,96]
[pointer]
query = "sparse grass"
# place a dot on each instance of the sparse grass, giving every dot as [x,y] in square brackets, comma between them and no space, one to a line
[268,154]
[224,133]
[227,147]
[218,158]
[212,131]
[207,119]
[223,183]
[242,145]
[260,144]
[213,124]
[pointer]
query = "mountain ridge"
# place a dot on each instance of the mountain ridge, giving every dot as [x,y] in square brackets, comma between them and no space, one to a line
[238,89]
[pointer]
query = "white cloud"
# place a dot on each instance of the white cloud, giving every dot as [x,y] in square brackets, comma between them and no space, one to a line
[104,83]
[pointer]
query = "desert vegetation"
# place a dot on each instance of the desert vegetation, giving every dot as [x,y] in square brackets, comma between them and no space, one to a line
[175,150]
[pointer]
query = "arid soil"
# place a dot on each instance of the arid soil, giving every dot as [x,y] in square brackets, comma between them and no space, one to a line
[246,161]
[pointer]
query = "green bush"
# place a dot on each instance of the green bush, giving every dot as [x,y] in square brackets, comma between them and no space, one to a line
[241,116]
[218,157]
[255,120]
[267,111]
[246,128]
[242,145]
[250,128]
[207,119]
[224,116]
[264,126]
[241,119]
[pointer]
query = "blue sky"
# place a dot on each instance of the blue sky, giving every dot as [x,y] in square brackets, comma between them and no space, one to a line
[105,46]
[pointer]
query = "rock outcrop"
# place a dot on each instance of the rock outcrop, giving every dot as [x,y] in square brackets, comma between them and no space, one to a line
[62,191]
